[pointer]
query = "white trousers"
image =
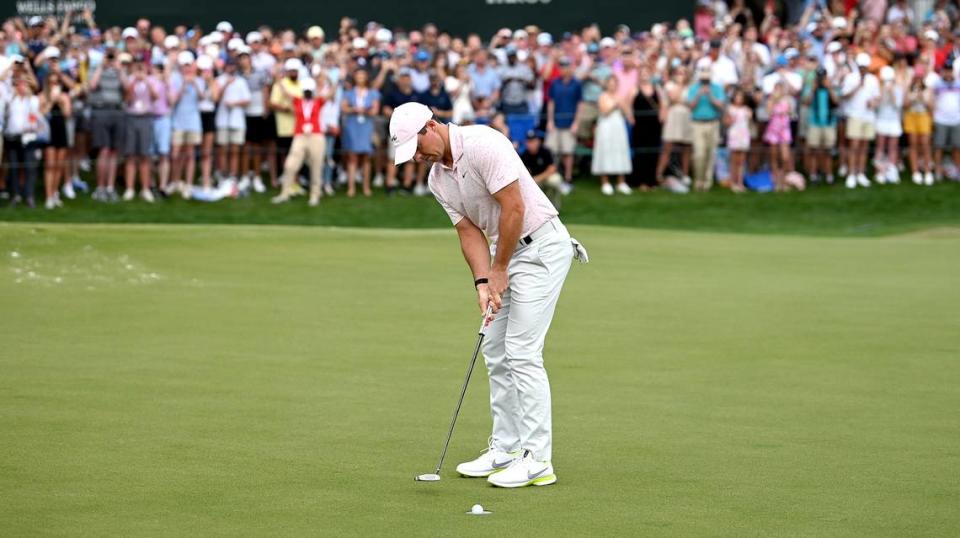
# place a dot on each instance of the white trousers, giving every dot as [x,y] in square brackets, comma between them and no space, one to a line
[513,349]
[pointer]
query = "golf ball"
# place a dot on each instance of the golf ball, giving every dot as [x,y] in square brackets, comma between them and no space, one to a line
[477,509]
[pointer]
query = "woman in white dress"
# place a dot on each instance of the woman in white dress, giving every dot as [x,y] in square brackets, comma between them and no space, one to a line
[458,88]
[611,148]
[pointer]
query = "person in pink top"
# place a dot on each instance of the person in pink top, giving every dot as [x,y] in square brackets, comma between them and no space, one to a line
[162,122]
[480,181]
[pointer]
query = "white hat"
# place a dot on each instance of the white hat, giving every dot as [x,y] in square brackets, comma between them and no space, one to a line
[243,49]
[204,62]
[932,35]
[887,73]
[839,22]
[520,34]
[308,85]
[407,120]
[863,59]
[360,43]
[216,36]
[171,42]
[834,46]
[791,53]
[51,52]
[235,43]
[36,20]
[607,42]
[314,32]
[130,32]
[185,57]
[544,39]
[504,32]
[384,35]
[254,37]
[225,27]
[292,64]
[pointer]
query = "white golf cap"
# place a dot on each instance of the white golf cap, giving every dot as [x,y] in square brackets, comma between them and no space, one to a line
[185,57]
[791,53]
[292,64]
[932,35]
[839,22]
[360,43]
[225,27]
[834,46]
[243,49]
[607,43]
[863,59]
[308,85]
[887,73]
[254,37]
[216,36]
[384,35]
[130,32]
[171,42]
[520,34]
[235,43]
[204,62]
[315,32]
[51,52]
[407,121]
[544,39]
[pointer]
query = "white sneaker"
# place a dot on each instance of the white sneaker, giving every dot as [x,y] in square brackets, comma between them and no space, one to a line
[565,188]
[258,186]
[863,181]
[842,170]
[686,180]
[129,195]
[327,189]
[880,178]
[524,471]
[893,175]
[491,461]
[420,190]
[851,181]
[928,179]
[186,191]
[147,196]
[68,190]
[607,189]
[378,181]
[917,178]
[56,200]
[244,184]
[623,188]
[50,204]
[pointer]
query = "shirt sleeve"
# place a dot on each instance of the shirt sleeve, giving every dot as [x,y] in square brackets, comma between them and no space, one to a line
[455,216]
[495,161]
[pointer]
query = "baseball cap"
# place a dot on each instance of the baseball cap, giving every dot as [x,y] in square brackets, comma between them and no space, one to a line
[51,52]
[204,62]
[384,35]
[225,27]
[504,32]
[544,39]
[405,123]
[593,48]
[533,133]
[863,59]
[564,61]
[235,44]
[834,46]
[185,57]
[839,22]
[36,20]
[791,53]
[254,37]
[782,60]
[292,64]
[216,36]
[130,32]
[171,42]
[607,42]
[422,56]
[887,73]
[404,72]
[520,34]
[932,35]
[308,85]
[243,49]
[315,32]
[360,43]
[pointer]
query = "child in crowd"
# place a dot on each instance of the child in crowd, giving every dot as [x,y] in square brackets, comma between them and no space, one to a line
[822,102]
[918,124]
[886,157]
[738,119]
[778,135]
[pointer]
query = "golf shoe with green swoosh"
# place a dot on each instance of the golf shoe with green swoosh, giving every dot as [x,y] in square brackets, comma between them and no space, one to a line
[524,471]
[492,460]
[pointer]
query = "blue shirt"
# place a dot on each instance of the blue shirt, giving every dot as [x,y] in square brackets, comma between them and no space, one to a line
[822,110]
[704,109]
[565,96]
[186,113]
[484,82]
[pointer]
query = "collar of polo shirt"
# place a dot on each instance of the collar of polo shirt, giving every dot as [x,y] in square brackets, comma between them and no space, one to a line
[406,123]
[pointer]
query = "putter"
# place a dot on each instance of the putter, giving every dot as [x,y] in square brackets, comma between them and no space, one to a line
[435,477]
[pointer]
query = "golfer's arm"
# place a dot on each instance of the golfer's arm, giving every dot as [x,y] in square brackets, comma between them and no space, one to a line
[511,223]
[475,249]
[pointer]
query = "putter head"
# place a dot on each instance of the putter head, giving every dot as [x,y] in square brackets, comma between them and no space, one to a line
[427,478]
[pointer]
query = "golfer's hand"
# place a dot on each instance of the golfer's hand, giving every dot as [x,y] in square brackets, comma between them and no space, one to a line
[483,297]
[496,286]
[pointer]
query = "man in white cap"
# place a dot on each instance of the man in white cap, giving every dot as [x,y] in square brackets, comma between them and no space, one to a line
[489,195]
[861,93]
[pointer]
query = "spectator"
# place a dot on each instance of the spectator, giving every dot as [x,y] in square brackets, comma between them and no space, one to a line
[594,77]
[256,120]
[946,119]
[419,75]
[20,134]
[401,92]
[677,127]
[822,101]
[438,101]
[538,160]
[359,105]
[162,121]
[517,78]
[646,130]
[281,102]
[106,122]
[918,125]
[56,106]
[861,92]
[208,124]
[233,97]
[308,145]
[485,86]
[611,151]
[738,119]
[777,134]
[138,131]
[886,158]
[186,90]
[563,106]
[706,101]
[459,88]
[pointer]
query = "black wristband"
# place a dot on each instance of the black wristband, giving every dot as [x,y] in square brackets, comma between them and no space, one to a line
[477,282]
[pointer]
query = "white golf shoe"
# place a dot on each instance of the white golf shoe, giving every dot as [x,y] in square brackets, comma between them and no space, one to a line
[606,189]
[491,460]
[524,471]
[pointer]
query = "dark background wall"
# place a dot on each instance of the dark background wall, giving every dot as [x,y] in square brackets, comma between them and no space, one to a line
[457,16]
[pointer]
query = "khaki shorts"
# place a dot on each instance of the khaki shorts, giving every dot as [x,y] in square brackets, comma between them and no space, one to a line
[821,137]
[190,138]
[561,141]
[231,137]
[588,118]
[860,130]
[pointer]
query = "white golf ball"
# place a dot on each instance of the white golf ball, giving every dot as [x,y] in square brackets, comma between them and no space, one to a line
[477,509]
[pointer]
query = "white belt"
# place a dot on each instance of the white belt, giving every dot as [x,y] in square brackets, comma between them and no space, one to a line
[545,229]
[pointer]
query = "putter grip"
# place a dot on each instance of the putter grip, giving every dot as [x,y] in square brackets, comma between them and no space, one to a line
[486,321]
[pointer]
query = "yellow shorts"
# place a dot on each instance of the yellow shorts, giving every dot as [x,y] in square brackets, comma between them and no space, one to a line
[918,123]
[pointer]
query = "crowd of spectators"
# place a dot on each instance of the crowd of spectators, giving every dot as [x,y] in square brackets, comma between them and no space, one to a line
[732,96]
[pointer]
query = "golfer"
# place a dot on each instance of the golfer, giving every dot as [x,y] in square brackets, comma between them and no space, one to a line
[478,178]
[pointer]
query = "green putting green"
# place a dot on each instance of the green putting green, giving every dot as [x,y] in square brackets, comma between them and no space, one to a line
[235,380]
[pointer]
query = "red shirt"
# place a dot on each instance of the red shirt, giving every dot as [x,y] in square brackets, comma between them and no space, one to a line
[307,119]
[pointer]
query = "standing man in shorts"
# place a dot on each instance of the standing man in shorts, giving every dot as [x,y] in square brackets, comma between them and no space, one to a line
[106,122]
[480,182]
[946,119]
[562,119]
[861,90]
[258,82]
[138,132]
